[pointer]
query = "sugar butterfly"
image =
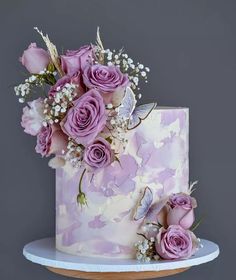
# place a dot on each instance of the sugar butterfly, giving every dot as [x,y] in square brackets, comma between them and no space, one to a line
[128,110]
[147,209]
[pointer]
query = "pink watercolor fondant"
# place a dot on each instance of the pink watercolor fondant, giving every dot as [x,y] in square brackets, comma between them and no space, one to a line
[156,156]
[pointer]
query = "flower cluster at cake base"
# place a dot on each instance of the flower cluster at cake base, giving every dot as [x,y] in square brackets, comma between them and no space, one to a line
[81,104]
[168,227]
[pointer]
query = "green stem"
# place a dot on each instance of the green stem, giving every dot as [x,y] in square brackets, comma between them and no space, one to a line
[80,181]
[196,225]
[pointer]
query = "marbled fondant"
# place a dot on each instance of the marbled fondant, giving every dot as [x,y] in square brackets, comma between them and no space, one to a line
[156,156]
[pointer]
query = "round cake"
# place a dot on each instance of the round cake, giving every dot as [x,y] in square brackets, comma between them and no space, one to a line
[122,166]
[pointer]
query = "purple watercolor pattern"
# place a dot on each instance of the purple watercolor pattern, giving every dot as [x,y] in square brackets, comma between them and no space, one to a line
[156,156]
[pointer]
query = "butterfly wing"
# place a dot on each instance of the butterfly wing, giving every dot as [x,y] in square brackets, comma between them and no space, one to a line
[140,113]
[144,204]
[155,209]
[127,106]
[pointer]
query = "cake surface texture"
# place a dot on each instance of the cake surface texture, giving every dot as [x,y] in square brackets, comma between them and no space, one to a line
[156,156]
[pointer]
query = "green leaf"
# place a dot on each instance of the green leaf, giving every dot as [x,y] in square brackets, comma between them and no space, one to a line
[196,225]
[109,139]
[51,67]
[117,159]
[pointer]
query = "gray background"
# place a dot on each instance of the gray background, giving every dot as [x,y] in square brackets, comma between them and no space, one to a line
[190,47]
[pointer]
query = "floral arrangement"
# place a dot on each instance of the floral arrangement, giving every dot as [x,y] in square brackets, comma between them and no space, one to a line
[168,227]
[87,102]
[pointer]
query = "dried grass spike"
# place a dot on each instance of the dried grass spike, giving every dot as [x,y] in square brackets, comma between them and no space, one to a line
[52,51]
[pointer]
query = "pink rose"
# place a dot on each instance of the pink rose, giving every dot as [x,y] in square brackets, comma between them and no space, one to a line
[108,80]
[98,154]
[86,118]
[33,117]
[51,140]
[181,210]
[76,60]
[35,59]
[175,243]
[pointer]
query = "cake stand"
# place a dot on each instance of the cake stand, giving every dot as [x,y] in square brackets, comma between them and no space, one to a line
[43,252]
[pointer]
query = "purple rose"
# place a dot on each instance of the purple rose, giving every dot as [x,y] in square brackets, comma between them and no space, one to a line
[86,119]
[98,154]
[106,79]
[51,140]
[77,60]
[32,118]
[77,80]
[59,85]
[181,210]
[175,243]
[35,59]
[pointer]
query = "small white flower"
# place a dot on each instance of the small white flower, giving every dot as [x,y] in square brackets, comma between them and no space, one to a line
[109,106]
[57,108]
[136,80]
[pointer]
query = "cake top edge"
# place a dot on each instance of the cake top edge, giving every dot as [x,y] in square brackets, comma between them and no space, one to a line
[170,108]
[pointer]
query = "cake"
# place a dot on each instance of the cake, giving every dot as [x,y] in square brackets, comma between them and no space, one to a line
[156,156]
[122,170]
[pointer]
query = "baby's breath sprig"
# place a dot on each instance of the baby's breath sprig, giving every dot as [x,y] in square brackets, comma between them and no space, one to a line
[118,130]
[135,71]
[74,153]
[145,250]
[56,107]
[24,90]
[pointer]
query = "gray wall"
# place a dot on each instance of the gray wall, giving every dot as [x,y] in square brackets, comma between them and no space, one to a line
[190,47]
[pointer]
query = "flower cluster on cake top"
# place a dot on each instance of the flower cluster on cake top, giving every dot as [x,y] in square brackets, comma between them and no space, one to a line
[87,102]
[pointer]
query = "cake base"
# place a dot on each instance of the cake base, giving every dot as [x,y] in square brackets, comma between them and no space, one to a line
[116,275]
[43,252]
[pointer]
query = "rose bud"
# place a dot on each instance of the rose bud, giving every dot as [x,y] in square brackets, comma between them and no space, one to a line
[35,59]
[181,210]
[76,60]
[51,140]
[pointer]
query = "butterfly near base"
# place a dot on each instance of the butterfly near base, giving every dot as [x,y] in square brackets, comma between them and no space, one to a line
[128,110]
[146,208]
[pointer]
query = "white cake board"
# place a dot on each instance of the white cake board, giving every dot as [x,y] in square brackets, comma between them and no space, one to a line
[43,252]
